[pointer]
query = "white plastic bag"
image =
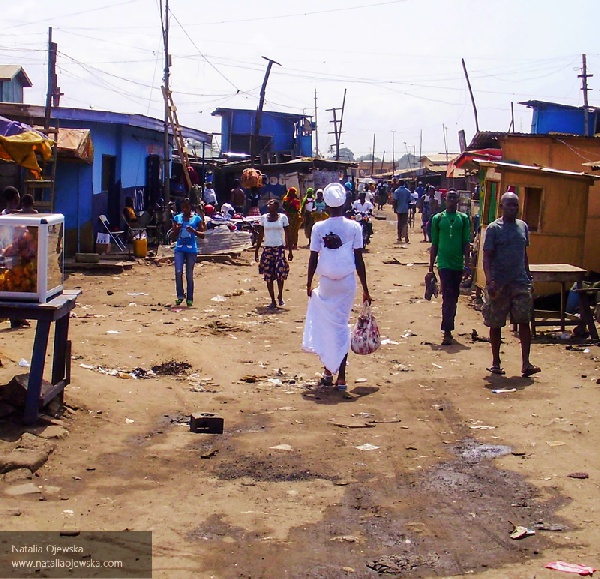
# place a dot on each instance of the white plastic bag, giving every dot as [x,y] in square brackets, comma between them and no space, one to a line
[365,335]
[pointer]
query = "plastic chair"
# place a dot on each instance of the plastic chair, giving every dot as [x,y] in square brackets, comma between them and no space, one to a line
[113,234]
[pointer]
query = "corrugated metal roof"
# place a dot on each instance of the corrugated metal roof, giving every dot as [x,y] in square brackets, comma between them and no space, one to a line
[535,168]
[9,71]
[546,104]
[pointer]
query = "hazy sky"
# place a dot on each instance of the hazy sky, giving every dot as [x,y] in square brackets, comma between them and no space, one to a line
[400,61]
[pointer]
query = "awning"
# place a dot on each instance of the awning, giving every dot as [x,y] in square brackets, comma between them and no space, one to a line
[466,159]
[19,143]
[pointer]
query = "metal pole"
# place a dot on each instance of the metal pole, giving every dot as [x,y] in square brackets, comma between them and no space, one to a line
[316,128]
[257,123]
[166,156]
[584,87]
[51,62]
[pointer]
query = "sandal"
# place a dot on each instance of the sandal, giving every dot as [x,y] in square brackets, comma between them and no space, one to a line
[342,386]
[530,371]
[496,370]
[327,379]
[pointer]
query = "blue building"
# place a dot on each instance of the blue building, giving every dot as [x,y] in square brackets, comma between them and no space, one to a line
[13,80]
[556,118]
[127,160]
[282,136]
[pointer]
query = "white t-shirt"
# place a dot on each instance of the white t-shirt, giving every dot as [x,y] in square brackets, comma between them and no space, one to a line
[348,230]
[362,207]
[274,232]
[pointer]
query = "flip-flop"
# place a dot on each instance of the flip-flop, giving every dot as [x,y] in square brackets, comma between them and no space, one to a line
[496,370]
[530,371]
[327,380]
[342,386]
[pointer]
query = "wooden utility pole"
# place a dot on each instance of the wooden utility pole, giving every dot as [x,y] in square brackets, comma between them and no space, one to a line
[373,156]
[259,110]
[393,152]
[316,128]
[471,93]
[166,161]
[584,87]
[53,94]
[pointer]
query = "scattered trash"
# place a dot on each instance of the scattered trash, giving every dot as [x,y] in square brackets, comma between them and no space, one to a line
[136,294]
[583,570]
[367,446]
[504,390]
[171,368]
[519,532]
[475,337]
[129,421]
[137,373]
[357,424]
[437,366]
[282,447]
[408,334]
[387,341]
[579,475]
[555,443]
[541,526]
[360,380]
[481,427]
[346,539]
[24,363]
[209,454]
[218,298]
[113,332]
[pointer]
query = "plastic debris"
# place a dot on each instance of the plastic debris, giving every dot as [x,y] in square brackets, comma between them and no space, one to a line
[367,446]
[583,570]
[555,443]
[129,421]
[281,447]
[24,363]
[408,334]
[113,332]
[519,532]
[387,341]
[504,390]
[436,366]
[218,298]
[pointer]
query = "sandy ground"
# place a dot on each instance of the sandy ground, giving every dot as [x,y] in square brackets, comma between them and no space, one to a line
[428,500]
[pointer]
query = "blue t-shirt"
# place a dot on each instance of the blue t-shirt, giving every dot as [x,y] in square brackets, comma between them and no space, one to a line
[187,240]
[402,198]
[509,243]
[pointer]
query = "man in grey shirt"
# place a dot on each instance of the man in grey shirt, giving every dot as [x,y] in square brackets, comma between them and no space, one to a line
[508,282]
[402,199]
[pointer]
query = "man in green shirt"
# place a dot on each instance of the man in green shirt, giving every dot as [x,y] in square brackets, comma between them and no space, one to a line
[450,242]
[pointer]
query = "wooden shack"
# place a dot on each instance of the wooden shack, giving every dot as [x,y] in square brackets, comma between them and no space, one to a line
[553,203]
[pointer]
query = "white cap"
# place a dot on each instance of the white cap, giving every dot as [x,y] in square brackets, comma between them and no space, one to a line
[334,194]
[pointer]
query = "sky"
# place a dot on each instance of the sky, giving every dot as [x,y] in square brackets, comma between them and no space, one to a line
[397,61]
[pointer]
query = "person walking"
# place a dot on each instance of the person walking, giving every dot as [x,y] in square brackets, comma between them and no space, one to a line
[508,282]
[306,211]
[336,252]
[292,206]
[238,197]
[402,199]
[187,226]
[450,244]
[275,231]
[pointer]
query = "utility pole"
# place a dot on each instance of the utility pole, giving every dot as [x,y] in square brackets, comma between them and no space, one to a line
[373,156]
[421,149]
[166,161]
[53,94]
[393,153]
[316,129]
[337,131]
[471,93]
[584,87]
[259,110]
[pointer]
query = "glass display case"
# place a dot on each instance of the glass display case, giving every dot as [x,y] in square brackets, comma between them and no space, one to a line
[31,256]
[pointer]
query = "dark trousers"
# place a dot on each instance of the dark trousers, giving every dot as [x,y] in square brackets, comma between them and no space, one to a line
[450,281]
[402,226]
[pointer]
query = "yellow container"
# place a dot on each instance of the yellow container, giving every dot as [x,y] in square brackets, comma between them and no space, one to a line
[140,247]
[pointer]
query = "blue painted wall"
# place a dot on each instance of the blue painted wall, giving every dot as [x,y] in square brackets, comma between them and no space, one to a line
[79,194]
[561,120]
[280,128]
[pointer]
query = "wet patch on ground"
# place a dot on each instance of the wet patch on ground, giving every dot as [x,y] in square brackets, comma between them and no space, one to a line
[452,519]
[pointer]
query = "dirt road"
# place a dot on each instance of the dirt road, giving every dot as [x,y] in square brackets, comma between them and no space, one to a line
[419,470]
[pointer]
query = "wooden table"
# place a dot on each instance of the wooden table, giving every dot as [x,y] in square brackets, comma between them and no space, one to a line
[564,273]
[56,310]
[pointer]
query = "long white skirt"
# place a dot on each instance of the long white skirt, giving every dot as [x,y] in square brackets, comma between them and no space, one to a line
[326,330]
